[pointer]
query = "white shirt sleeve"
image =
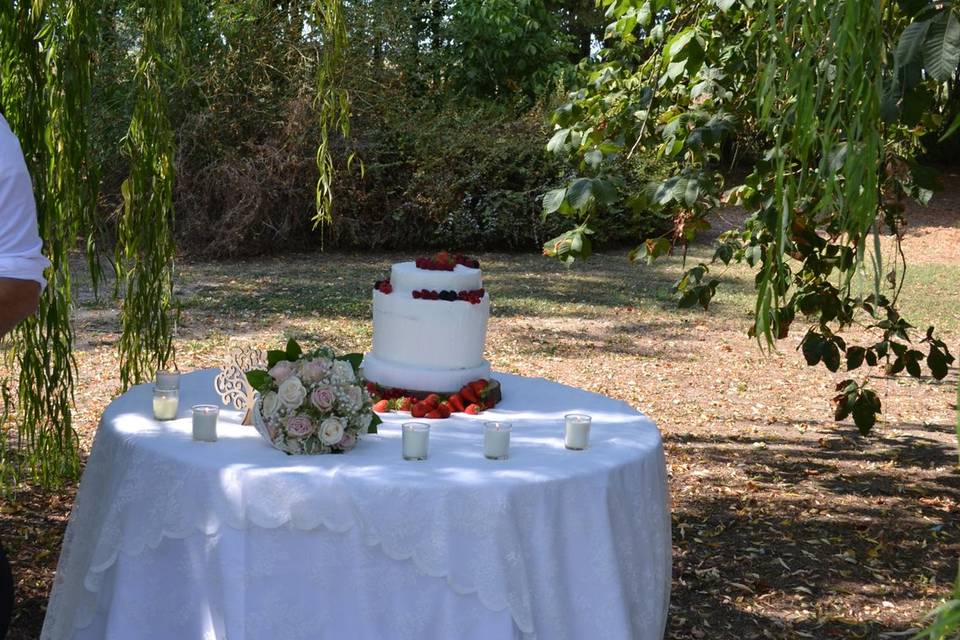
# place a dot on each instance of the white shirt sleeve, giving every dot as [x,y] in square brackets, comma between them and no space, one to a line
[20,245]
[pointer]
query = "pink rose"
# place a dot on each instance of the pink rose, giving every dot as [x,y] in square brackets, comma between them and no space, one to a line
[314,370]
[300,426]
[347,442]
[281,371]
[322,398]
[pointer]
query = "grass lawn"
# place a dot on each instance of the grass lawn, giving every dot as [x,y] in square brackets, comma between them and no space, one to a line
[785,524]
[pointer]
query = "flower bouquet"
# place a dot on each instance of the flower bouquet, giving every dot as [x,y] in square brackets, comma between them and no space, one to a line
[311,402]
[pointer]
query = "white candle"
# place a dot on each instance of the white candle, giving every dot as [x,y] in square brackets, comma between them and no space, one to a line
[416,440]
[496,440]
[576,431]
[167,380]
[165,404]
[205,422]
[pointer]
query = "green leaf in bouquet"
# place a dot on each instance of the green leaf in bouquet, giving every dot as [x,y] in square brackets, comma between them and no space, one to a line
[293,350]
[354,359]
[258,379]
[373,423]
[274,356]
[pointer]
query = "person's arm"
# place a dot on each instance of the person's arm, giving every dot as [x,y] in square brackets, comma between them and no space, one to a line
[18,301]
[22,262]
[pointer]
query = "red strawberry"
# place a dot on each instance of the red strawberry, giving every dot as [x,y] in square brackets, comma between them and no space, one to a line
[456,402]
[371,388]
[432,400]
[419,410]
[473,409]
[444,409]
[382,406]
[469,395]
[404,404]
[479,386]
[435,415]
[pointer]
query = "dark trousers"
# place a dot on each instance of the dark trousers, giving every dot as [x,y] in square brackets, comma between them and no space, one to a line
[6,594]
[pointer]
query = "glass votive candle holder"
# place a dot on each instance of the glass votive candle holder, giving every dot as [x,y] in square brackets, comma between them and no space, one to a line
[416,440]
[205,422]
[166,402]
[576,434]
[167,380]
[496,440]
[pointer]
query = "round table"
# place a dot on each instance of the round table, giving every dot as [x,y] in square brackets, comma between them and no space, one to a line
[172,538]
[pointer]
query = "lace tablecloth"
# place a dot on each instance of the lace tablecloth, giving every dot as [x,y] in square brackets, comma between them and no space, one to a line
[171,538]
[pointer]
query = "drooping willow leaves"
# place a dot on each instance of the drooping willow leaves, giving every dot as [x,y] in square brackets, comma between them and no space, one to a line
[45,67]
[145,246]
[333,103]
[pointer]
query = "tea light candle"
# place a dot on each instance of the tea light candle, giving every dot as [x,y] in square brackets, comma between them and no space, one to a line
[496,440]
[165,403]
[416,440]
[205,422]
[576,431]
[167,380]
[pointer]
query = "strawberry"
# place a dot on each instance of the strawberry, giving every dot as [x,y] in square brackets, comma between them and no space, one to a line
[382,406]
[456,402]
[404,404]
[469,395]
[473,409]
[419,410]
[432,400]
[444,409]
[435,415]
[372,388]
[479,386]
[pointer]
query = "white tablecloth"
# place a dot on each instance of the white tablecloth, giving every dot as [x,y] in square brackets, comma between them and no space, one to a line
[175,539]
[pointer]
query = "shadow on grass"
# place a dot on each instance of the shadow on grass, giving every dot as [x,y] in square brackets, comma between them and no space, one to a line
[815,563]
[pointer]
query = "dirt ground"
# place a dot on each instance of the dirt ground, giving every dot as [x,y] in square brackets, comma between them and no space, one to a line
[785,524]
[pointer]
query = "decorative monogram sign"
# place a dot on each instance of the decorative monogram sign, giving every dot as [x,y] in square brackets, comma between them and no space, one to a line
[231,382]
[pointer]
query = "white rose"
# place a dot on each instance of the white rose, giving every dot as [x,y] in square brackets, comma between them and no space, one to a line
[291,393]
[331,431]
[281,371]
[342,372]
[269,405]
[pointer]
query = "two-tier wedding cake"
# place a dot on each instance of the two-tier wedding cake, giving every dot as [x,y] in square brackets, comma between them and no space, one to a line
[429,326]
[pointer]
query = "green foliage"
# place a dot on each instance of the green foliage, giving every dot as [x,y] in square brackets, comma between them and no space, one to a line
[838,96]
[333,104]
[45,67]
[945,619]
[506,47]
[145,248]
[862,403]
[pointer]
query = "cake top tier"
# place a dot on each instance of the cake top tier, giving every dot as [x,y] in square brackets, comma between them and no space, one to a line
[407,277]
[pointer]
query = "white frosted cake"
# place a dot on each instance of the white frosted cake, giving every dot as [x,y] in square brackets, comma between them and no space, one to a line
[429,326]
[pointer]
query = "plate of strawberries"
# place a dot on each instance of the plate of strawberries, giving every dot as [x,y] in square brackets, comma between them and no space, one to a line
[472,399]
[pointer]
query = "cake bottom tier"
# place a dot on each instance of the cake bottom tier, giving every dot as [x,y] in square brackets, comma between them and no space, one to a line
[390,374]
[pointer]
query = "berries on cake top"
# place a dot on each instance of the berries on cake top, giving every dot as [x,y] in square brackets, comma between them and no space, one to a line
[443,261]
[473,297]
